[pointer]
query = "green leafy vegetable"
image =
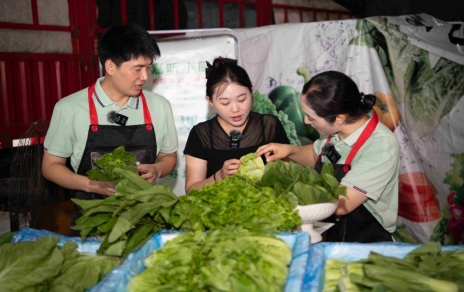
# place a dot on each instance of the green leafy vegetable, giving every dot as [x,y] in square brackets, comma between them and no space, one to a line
[6,237]
[127,219]
[252,168]
[233,201]
[232,259]
[105,165]
[43,266]
[426,268]
[300,185]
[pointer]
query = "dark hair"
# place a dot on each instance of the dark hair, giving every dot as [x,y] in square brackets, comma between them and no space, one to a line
[123,43]
[332,93]
[225,71]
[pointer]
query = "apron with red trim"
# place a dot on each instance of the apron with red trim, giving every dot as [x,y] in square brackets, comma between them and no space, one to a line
[359,225]
[138,139]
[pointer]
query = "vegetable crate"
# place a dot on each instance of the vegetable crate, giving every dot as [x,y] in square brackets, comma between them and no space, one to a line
[350,252]
[118,279]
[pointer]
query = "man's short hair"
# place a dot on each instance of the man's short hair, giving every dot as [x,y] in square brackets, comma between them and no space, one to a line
[125,42]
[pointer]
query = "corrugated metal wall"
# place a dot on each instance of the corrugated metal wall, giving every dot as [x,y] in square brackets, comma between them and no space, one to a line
[30,86]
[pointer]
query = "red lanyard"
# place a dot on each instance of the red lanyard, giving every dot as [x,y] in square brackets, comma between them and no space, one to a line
[366,133]
[94,116]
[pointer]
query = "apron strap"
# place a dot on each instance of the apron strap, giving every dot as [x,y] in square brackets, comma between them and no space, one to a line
[146,113]
[92,110]
[366,133]
[94,116]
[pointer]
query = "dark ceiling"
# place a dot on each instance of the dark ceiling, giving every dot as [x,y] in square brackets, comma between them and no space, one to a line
[446,10]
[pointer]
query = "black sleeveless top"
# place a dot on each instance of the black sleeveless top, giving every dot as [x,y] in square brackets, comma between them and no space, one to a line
[208,141]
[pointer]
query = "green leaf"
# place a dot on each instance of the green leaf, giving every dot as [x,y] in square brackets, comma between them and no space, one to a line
[116,249]
[27,264]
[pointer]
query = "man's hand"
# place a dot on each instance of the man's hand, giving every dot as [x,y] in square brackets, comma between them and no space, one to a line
[150,172]
[165,163]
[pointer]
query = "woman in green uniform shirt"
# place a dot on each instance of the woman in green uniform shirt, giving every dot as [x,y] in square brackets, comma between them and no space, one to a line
[364,152]
[214,147]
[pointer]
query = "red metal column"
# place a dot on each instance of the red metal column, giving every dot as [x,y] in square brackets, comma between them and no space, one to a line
[123,11]
[151,11]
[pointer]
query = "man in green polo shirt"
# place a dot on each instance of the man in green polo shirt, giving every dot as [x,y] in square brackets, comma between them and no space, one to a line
[113,112]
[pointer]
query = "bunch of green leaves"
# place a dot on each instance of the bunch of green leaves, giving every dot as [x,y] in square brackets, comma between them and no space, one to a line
[426,268]
[127,219]
[6,237]
[252,168]
[43,266]
[233,201]
[300,185]
[105,165]
[232,259]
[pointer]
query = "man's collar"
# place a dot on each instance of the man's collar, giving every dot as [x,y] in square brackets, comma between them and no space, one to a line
[104,100]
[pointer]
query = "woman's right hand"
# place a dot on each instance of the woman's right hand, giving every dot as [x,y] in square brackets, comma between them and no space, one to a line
[229,167]
[273,151]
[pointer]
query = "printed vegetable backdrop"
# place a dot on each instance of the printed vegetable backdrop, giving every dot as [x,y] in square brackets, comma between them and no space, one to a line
[414,66]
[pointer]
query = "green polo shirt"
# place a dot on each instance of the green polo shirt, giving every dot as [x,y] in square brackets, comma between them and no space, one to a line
[374,171]
[69,126]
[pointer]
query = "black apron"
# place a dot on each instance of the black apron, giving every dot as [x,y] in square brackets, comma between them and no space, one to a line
[138,139]
[359,225]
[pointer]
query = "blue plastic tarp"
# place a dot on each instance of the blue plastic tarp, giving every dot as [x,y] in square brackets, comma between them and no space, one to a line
[90,244]
[319,253]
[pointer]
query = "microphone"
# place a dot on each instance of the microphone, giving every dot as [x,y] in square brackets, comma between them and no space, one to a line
[115,118]
[234,138]
[330,152]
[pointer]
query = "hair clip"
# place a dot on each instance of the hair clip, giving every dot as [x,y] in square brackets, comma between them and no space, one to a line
[362,97]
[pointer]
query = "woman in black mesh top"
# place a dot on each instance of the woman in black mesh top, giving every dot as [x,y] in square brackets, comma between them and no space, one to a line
[211,152]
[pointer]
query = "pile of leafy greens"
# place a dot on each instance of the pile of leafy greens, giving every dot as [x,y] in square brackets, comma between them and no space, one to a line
[234,201]
[426,268]
[232,259]
[41,265]
[300,185]
[127,219]
[105,165]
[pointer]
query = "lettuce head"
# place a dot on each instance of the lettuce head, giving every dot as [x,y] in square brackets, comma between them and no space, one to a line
[252,168]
